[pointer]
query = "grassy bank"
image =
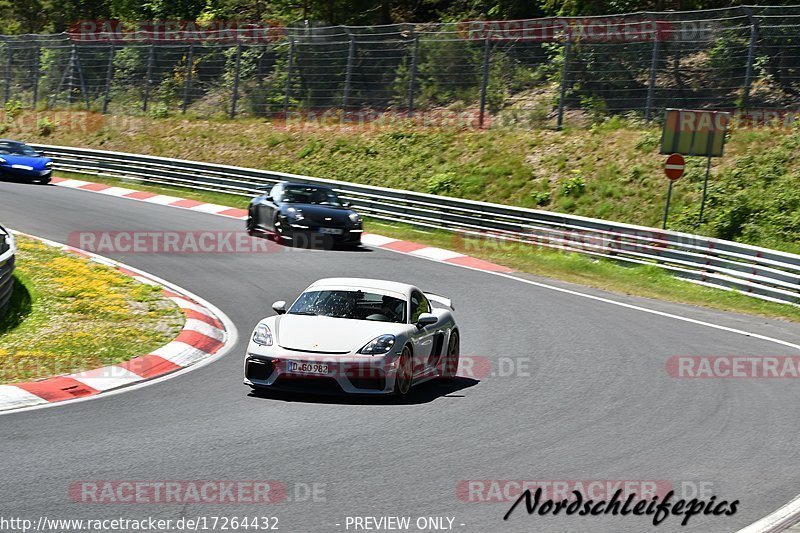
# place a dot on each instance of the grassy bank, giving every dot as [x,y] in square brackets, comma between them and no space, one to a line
[647,281]
[610,170]
[69,314]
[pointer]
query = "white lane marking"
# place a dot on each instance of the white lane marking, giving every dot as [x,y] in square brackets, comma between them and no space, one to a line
[180,353]
[73,184]
[160,199]
[12,397]
[106,378]
[214,209]
[116,191]
[192,324]
[439,254]
[370,239]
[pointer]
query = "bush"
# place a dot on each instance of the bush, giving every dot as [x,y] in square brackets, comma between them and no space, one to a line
[574,186]
[45,126]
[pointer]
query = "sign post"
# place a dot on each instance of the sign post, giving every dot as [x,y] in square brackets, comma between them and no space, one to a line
[689,132]
[673,169]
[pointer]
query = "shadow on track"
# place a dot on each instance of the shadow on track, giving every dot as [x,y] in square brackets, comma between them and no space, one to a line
[424,393]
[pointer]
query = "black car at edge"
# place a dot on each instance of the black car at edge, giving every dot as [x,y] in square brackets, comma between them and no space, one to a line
[304,214]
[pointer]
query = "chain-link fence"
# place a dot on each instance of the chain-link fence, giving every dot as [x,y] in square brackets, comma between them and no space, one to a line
[540,71]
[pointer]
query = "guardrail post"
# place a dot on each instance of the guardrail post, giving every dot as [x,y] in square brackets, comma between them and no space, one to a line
[109,78]
[651,82]
[351,52]
[235,94]
[188,82]
[564,72]
[148,77]
[413,76]
[36,61]
[289,68]
[751,52]
[485,79]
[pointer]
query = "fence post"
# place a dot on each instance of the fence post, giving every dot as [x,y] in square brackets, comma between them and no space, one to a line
[109,78]
[564,71]
[8,73]
[751,52]
[70,74]
[36,61]
[485,79]
[81,79]
[651,82]
[413,76]
[287,93]
[351,51]
[235,94]
[188,82]
[148,80]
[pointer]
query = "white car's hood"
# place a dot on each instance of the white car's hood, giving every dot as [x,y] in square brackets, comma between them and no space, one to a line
[326,334]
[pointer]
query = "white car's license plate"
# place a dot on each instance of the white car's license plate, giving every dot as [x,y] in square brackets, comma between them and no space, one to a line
[307,368]
[330,231]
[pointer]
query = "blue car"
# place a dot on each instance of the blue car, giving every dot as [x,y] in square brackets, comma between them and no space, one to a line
[18,160]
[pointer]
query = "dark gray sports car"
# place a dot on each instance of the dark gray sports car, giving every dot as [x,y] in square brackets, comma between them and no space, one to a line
[302,214]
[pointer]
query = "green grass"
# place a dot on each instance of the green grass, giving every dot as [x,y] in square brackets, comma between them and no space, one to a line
[69,314]
[646,281]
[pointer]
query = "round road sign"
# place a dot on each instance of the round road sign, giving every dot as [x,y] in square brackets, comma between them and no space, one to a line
[674,166]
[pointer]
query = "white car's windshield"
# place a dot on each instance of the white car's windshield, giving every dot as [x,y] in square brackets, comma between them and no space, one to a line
[300,194]
[358,305]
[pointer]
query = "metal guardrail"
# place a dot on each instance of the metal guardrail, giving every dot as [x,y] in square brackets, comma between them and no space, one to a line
[7,256]
[759,272]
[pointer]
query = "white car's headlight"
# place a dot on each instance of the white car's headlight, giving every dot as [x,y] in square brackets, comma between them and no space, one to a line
[378,345]
[262,335]
[355,217]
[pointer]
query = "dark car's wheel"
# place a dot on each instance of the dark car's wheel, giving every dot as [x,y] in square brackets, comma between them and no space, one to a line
[251,223]
[450,365]
[402,380]
[280,236]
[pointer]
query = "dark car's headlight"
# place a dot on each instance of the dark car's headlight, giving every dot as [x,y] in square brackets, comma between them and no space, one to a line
[295,214]
[378,345]
[262,335]
[355,218]
[3,161]
[48,164]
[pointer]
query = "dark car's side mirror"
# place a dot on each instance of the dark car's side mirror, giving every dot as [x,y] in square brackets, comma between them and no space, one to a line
[347,204]
[426,319]
[279,307]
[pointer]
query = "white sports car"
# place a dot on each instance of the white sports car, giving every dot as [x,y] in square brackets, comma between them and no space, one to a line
[359,336]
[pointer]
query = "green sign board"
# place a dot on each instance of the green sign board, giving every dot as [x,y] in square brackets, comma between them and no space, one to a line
[689,132]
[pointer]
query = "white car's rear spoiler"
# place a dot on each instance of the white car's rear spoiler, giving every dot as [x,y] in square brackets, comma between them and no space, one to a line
[439,299]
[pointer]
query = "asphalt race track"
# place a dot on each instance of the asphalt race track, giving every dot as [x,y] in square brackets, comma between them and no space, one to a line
[594,403]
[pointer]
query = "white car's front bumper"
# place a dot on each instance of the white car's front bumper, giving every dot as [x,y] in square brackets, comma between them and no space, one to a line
[268,368]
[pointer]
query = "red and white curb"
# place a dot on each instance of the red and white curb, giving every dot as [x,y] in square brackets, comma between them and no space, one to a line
[369,239]
[207,334]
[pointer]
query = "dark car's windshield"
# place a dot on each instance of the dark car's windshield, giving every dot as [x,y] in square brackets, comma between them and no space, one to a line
[308,194]
[357,305]
[7,148]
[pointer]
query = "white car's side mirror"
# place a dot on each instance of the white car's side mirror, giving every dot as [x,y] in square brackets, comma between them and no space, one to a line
[426,319]
[279,307]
